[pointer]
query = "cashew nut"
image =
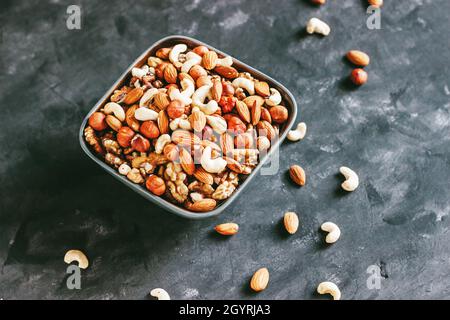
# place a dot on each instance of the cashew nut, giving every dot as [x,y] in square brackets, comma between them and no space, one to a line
[147,97]
[145,114]
[185,95]
[181,123]
[191,60]
[218,124]
[159,293]
[162,141]
[333,232]
[112,107]
[124,169]
[225,62]
[175,52]
[244,83]
[199,97]
[352,180]
[78,256]
[212,165]
[297,134]
[330,288]
[315,25]
[274,99]
[139,72]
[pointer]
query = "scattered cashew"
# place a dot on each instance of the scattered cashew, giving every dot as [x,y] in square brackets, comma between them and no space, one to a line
[78,256]
[139,72]
[145,114]
[297,134]
[330,288]
[212,165]
[180,123]
[352,180]
[333,232]
[199,97]
[147,97]
[185,95]
[159,293]
[191,60]
[112,107]
[162,141]
[315,25]
[274,99]
[175,52]
[124,169]
[244,83]
[225,62]
[218,124]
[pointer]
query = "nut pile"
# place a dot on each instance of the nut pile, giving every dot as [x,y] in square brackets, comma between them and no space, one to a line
[188,126]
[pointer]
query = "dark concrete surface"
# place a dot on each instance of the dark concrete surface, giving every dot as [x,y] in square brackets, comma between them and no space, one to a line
[394,132]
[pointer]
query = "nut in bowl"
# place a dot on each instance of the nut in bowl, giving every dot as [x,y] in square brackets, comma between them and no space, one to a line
[191,146]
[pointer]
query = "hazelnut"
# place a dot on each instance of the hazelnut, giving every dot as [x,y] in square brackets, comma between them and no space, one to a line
[175,109]
[140,144]
[113,122]
[149,129]
[97,121]
[200,50]
[227,88]
[124,136]
[279,114]
[235,124]
[197,71]
[359,76]
[155,185]
[227,103]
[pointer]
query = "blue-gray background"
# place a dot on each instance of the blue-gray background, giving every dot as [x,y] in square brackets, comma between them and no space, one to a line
[394,132]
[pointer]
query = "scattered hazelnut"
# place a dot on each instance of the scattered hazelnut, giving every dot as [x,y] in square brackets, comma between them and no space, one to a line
[279,114]
[124,136]
[149,129]
[155,185]
[97,121]
[200,50]
[197,71]
[139,143]
[175,109]
[359,76]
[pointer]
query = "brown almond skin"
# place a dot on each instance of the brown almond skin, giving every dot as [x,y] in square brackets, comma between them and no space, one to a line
[227,72]
[209,60]
[358,58]
[227,229]
[204,205]
[260,280]
[297,175]
[290,221]
[133,96]
[376,3]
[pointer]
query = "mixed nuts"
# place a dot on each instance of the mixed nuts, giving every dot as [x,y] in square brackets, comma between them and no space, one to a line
[187,126]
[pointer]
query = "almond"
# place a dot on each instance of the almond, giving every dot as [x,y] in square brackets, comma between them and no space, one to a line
[358,58]
[209,60]
[233,165]
[184,76]
[203,176]
[203,205]
[266,129]
[260,280]
[163,122]
[226,143]
[256,113]
[163,53]
[185,138]
[132,122]
[297,175]
[216,90]
[186,161]
[161,100]
[227,72]
[171,152]
[171,74]
[262,88]
[291,222]
[197,120]
[249,101]
[113,122]
[376,3]
[265,115]
[133,96]
[227,229]
[243,111]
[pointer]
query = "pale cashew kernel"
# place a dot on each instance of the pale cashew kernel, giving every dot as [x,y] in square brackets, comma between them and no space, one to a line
[352,180]
[274,99]
[212,165]
[78,256]
[147,97]
[139,72]
[297,134]
[333,232]
[191,60]
[185,95]
[330,288]
[159,293]
[315,25]
[112,107]
[218,124]
[199,97]
[145,114]
[180,123]
[175,52]
[124,169]
[196,196]
[244,83]
[162,141]
[225,62]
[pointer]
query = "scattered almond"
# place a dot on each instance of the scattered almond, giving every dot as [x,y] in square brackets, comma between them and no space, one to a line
[376,3]
[243,111]
[163,122]
[133,96]
[203,205]
[256,113]
[358,58]
[209,60]
[262,88]
[227,229]
[297,175]
[260,280]
[291,222]
[203,176]
[171,74]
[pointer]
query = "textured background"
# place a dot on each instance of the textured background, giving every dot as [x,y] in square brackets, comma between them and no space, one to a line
[394,132]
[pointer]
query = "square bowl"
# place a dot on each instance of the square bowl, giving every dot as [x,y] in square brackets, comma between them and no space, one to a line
[289,103]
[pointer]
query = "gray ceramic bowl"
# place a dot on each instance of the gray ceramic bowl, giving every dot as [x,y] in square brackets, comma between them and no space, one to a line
[289,103]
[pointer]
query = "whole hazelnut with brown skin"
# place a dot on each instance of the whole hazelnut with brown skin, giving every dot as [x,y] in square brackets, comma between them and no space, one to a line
[359,76]
[200,50]
[97,121]
[227,88]
[149,129]
[124,136]
[175,109]
[155,185]
[279,114]
[140,144]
